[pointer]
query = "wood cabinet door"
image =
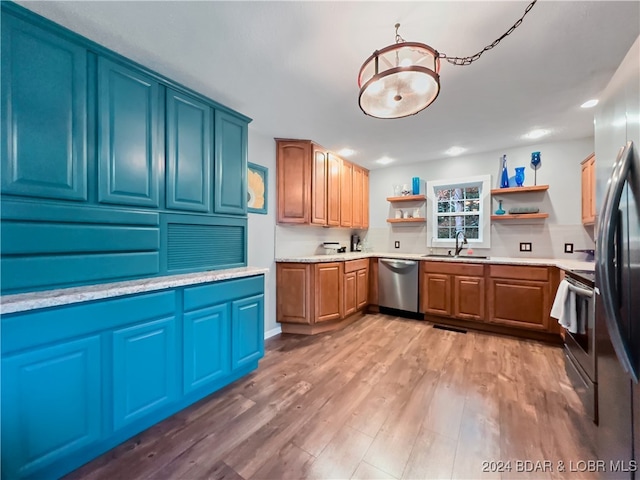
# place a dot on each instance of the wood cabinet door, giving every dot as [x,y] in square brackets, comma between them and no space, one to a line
[350,293]
[188,153]
[588,191]
[319,214]
[128,131]
[230,164]
[328,291]
[436,294]
[293,176]
[468,297]
[294,293]
[356,193]
[365,199]
[519,303]
[44,105]
[346,195]
[333,190]
[362,288]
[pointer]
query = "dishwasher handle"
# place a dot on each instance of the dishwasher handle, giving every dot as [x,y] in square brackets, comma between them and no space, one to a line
[399,264]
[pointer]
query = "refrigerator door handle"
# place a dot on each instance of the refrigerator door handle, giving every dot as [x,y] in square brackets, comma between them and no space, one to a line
[607,250]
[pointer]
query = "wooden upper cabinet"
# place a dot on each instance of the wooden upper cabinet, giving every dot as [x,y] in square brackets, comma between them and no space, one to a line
[589,190]
[358,214]
[365,198]
[346,197]
[293,176]
[333,189]
[319,186]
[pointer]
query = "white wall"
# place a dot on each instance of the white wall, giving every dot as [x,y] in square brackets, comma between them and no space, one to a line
[261,238]
[560,170]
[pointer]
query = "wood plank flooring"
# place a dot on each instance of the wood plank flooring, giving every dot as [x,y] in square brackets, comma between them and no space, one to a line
[385,398]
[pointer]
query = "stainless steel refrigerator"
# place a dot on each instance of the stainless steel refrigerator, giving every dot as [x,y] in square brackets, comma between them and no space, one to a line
[617,145]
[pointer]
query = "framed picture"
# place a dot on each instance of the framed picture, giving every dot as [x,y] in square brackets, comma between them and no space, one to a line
[257,182]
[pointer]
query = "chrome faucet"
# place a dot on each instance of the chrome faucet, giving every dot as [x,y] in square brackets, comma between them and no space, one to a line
[464,241]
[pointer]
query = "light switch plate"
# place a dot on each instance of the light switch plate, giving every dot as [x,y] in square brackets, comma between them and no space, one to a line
[525,246]
[568,248]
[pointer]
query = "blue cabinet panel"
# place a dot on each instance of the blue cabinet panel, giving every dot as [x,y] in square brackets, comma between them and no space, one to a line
[51,404]
[247,331]
[201,296]
[230,164]
[44,113]
[206,346]
[189,153]
[127,136]
[145,363]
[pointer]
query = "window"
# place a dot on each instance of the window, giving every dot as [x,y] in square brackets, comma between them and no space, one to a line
[460,205]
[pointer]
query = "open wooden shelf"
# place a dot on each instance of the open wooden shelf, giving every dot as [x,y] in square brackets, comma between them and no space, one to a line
[533,188]
[406,220]
[407,198]
[514,216]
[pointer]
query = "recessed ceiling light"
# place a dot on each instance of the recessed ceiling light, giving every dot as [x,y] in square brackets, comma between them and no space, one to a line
[346,152]
[385,160]
[536,133]
[455,151]
[590,103]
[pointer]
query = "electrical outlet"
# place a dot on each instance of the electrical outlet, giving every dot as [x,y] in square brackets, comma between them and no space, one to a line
[525,246]
[568,248]
[397,244]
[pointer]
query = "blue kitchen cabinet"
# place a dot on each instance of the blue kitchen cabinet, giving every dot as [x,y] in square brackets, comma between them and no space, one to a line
[79,379]
[206,346]
[247,330]
[144,370]
[128,135]
[44,113]
[51,404]
[189,155]
[230,184]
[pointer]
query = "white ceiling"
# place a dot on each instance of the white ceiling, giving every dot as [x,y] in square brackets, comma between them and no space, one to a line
[293,66]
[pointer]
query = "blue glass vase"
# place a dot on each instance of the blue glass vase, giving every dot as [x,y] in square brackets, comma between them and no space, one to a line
[519,176]
[500,211]
[504,180]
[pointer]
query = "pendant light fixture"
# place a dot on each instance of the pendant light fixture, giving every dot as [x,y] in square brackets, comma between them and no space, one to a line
[403,79]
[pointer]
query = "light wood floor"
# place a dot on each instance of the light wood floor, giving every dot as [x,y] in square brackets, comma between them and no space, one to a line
[384,398]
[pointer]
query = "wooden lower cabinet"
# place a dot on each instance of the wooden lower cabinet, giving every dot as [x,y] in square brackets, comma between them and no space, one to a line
[315,298]
[512,299]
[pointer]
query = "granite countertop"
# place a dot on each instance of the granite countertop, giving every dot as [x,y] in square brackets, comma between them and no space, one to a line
[63,296]
[565,264]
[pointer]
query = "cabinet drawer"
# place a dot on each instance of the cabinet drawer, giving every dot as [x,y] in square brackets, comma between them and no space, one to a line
[353,265]
[519,272]
[453,268]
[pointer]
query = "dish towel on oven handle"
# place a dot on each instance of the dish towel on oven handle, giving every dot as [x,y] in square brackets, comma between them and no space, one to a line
[564,308]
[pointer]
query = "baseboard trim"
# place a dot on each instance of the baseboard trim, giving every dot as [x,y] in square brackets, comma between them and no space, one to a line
[273,332]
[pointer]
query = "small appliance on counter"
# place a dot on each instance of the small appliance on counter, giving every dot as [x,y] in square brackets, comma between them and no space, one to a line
[355,243]
[332,248]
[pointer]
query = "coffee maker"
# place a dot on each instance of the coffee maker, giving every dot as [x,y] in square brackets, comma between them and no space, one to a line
[355,241]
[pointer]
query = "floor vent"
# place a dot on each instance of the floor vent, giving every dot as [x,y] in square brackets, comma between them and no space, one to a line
[451,329]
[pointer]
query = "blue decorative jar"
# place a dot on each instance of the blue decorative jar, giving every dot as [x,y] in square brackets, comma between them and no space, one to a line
[500,211]
[504,180]
[519,176]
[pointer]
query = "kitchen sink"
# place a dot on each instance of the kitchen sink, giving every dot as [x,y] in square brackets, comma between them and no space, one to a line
[436,255]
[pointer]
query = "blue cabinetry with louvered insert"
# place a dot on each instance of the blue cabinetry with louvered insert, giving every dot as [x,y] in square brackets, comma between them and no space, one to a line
[110,171]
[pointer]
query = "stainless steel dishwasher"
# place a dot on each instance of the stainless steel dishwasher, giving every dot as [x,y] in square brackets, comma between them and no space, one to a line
[398,284]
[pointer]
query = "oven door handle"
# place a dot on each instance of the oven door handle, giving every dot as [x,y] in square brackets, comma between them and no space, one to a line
[580,291]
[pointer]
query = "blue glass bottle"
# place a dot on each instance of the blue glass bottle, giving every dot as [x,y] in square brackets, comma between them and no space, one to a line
[504,180]
[500,210]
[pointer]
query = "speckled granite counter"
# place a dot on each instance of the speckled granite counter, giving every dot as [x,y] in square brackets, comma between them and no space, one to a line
[64,296]
[565,264]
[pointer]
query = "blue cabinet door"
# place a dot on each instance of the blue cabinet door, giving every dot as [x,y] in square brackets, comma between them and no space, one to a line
[189,153]
[44,113]
[206,346]
[247,331]
[230,190]
[128,160]
[145,363]
[53,395]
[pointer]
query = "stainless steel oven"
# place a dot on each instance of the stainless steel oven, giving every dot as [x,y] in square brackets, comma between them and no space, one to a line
[579,346]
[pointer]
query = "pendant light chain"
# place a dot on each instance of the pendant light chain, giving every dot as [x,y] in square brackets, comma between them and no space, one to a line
[468,60]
